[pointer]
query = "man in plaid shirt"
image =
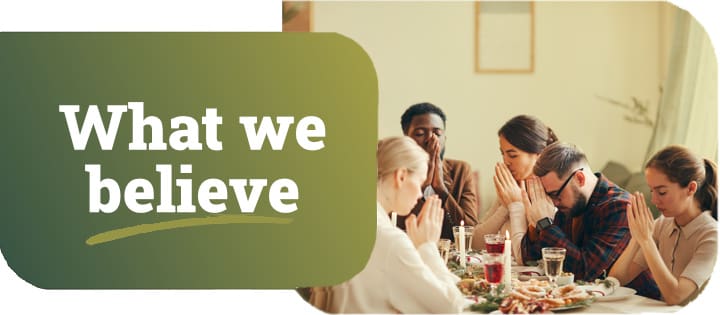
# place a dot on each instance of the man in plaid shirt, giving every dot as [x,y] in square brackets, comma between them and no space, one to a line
[571,207]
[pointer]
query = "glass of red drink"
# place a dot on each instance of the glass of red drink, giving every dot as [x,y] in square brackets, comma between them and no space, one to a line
[495,243]
[493,264]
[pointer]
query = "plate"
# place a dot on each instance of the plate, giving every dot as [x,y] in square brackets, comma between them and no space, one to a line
[619,294]
[528,270]
[569,307]
[597,290]
[527,278]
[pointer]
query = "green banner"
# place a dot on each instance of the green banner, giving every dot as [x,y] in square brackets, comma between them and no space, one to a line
[186,160]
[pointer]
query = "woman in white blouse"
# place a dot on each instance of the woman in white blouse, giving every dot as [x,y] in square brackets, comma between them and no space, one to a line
[680,246]
[405,273]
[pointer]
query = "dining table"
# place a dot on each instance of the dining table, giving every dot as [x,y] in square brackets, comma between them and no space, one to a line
[635,304]
[619,303]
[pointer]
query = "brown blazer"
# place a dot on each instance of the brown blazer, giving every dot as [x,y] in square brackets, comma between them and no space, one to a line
[462,201]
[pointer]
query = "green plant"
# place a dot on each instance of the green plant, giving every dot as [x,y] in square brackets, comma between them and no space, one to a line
[637,111]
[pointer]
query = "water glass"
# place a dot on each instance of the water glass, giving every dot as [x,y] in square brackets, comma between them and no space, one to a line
[468,237]
[444,249]
[553,258]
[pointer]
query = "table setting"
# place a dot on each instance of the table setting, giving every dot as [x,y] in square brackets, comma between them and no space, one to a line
[494,284]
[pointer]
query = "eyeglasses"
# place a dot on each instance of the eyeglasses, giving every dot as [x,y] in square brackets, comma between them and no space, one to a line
[556,194]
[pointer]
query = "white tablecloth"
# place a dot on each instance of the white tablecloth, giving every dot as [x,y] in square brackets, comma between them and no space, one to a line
[632,305]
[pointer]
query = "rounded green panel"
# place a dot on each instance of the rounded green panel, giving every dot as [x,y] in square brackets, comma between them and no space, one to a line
[48,234]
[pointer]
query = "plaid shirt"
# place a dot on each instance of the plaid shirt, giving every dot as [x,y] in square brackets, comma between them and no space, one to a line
[603,237]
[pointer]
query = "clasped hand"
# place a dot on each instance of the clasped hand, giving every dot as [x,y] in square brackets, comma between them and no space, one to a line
[537,202]
[640,220]
[507,189]
[435,170]
[427,226]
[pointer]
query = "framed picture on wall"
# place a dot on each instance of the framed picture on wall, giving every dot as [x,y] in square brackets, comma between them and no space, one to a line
[504,37]
[297,16]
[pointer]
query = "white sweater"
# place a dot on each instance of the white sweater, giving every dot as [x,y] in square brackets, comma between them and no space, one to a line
[399,278]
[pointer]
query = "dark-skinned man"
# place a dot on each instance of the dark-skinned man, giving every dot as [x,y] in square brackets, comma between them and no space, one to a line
[450,179]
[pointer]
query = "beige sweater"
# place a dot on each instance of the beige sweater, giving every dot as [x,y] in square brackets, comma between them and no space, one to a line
[497,220]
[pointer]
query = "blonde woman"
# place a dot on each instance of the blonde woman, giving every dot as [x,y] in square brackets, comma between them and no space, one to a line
[405,273]
[680,246]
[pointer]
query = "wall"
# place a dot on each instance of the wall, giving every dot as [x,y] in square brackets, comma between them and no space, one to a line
[424,52]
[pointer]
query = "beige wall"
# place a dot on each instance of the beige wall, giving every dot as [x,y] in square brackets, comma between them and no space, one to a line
[424,52]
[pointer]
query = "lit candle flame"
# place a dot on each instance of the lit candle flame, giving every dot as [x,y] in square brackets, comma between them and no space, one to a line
[462,223]
[507,234]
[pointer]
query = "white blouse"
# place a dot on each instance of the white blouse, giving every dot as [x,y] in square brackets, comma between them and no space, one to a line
[399,278]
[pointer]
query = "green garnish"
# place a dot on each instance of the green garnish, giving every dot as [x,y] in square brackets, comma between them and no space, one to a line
[465,272]
[492,302]
[607,283]
[484,307]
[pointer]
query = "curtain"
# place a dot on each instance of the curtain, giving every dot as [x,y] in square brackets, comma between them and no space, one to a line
[688,109]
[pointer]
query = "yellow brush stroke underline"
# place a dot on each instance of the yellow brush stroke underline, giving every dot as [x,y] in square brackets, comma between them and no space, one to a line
[129,231]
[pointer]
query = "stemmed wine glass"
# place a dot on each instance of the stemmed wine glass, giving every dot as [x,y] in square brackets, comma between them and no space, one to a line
[553,258]
[495,243]
[493,263]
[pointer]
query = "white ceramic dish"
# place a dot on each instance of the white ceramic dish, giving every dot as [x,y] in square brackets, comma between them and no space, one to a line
[620,293]
[565,280]
[556,309]
[571,307]
[603,294]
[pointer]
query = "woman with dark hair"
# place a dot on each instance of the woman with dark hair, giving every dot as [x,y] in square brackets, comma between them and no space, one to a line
[680,246]
[522,138]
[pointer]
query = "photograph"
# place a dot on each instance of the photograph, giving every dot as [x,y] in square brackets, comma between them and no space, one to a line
[565,156]
[218,157]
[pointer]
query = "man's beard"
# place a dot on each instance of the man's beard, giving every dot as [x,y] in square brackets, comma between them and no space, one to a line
[580,204]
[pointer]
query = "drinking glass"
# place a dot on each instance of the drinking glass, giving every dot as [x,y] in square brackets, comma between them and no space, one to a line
[553,258]
[468,237]
[444,249]
[493,263]
[495,243]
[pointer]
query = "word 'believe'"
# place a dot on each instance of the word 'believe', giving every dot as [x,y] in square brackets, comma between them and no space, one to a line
[211,193]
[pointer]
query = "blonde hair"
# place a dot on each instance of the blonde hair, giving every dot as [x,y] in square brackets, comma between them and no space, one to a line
[394,153]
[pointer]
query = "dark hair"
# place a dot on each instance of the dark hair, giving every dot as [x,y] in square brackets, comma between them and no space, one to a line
[419,109]
[528,133]
[681,166]
[560,158]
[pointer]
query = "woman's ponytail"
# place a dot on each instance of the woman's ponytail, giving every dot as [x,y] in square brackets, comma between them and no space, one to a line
[552,137]
[707,193]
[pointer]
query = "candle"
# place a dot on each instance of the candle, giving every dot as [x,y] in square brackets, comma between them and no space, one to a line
[507,265]
[393,218]
[461,242]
